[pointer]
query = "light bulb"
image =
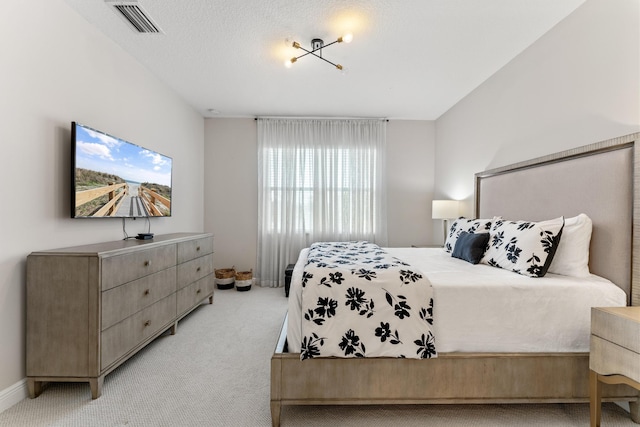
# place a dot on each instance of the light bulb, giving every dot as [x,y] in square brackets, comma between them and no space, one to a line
[347,38]
[289,62]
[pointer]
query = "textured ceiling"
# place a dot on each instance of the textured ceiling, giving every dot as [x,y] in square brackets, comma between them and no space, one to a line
[409,59]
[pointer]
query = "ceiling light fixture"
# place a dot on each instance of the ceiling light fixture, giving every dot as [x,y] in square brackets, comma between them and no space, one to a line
[316,50]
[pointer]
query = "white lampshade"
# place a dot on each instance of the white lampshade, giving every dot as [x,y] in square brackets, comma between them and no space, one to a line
[445,209]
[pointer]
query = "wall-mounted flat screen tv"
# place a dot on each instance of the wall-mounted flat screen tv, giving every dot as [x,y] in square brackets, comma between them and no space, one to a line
[115,178]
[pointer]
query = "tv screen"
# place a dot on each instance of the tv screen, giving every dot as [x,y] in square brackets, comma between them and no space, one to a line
[115,178]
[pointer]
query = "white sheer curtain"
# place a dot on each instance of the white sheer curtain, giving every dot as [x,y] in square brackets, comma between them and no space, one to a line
[319,180]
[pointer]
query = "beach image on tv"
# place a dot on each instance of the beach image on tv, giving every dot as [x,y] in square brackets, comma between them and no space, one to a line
[114,178]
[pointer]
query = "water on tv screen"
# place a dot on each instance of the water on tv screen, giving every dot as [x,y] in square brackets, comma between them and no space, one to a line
[115,178]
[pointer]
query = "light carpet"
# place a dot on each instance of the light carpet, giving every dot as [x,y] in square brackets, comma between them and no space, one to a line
[215,372]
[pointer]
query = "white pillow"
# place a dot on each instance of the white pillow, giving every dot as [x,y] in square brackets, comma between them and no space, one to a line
[572,255]
[524,247]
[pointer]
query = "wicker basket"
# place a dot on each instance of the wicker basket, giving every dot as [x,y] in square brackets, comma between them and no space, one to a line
[244,279]
[225,278]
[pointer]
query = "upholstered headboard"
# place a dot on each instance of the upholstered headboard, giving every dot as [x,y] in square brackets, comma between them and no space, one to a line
[600,180]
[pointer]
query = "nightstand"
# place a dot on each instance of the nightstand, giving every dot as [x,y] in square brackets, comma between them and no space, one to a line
[288,271]
[615,354]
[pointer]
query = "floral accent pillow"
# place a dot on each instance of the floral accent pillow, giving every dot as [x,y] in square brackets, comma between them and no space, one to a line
[524,247]
[470,226]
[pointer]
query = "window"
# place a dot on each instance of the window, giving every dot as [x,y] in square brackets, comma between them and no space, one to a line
[320,180]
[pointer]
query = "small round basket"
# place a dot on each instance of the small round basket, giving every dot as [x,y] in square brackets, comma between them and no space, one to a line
[225,278]
[244,279]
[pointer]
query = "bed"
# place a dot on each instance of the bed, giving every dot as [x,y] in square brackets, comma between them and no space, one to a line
[599,179]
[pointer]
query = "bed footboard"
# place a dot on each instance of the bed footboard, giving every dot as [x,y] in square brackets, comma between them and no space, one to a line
[451,378]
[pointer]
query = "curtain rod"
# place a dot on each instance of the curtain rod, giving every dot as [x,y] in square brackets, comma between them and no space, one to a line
[321,118]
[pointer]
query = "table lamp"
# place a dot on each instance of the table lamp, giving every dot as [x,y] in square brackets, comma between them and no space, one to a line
[445,210]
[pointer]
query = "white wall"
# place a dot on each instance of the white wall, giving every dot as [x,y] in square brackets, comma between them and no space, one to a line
[410,183]
[57,68]
[231,191]
[578,84]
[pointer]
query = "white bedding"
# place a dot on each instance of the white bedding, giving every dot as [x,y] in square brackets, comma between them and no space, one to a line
[479,308]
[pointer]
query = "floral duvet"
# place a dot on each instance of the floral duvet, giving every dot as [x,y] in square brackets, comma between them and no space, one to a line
[359,301]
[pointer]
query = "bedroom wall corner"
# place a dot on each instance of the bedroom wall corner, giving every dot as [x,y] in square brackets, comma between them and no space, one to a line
[578,84]
[231,209]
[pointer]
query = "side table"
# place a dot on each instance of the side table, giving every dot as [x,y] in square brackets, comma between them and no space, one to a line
[614,356]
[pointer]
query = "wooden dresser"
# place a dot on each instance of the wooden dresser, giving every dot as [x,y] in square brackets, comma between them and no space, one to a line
[90,308]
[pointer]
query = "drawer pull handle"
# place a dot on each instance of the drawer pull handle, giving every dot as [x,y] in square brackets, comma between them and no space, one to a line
[198,291]
[198,269]
[147,263]
[198,248]
[147,323]
[146,291]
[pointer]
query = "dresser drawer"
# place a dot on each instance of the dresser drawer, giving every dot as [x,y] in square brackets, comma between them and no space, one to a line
[123,337]
[122,301]
[194,249]
[121,269]
[189,296]
[190,271]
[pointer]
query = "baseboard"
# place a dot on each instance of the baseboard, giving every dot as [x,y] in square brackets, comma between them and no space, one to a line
[13,394]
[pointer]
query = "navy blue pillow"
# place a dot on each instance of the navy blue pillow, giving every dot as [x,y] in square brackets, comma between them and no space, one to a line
[470,246]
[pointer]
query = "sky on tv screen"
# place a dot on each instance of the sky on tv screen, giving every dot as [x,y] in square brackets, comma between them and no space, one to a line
[103,153]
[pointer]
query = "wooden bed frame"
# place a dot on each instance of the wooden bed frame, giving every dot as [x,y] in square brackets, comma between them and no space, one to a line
[460,378]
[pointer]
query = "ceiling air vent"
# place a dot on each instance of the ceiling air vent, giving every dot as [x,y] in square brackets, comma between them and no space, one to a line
[135,15]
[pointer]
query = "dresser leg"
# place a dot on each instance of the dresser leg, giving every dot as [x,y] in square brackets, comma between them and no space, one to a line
[635,410]
[595,395]
[96,386]
[275,413]
[34,387]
